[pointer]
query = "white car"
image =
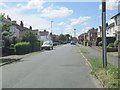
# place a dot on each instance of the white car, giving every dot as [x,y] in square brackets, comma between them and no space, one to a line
[47,45]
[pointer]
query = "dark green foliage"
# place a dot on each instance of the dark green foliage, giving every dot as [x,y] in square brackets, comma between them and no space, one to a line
[116,43]
[100,43]
[29,37]
[23,48]
[111,45]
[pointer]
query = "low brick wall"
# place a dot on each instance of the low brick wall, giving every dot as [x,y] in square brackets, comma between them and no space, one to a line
[119,51]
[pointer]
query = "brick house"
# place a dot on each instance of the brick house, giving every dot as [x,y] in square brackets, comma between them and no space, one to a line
[92,36]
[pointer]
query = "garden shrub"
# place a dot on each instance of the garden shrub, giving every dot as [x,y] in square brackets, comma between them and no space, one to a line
[22,48]
[116,43]
[111,45]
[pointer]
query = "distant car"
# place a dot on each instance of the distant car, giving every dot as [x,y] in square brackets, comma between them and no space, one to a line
[72,43]
[47,45]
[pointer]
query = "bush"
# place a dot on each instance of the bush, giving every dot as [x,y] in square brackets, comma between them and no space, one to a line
[36,46]
[22,48]
[12,46]
[116,43]
[100,43]
[111,45]
[55,43]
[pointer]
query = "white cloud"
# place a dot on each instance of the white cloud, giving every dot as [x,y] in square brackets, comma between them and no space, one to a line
[34,20]
[51,12]
[79,20]
[84,30]
[110,5]
[32,4]
[2,5]
[62,24]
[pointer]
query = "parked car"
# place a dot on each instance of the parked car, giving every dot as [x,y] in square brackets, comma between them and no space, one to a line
[72,43]
[47,45]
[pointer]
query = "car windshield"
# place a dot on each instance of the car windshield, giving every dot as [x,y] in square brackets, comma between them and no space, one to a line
[47,43]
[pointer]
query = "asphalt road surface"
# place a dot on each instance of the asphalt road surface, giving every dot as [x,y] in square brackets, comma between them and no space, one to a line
[62,67]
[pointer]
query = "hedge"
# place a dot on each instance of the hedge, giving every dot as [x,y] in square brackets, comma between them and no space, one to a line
[116,43]
[22,48]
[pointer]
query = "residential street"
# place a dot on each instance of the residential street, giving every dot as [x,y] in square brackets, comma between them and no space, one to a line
[62,67]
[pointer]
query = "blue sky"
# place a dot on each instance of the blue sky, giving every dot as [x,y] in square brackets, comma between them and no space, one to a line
[65,15]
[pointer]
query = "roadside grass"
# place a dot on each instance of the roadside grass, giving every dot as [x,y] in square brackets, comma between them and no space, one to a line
[84,51]
[0,61]
[108,77]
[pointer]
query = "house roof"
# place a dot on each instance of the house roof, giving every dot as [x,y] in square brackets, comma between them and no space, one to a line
[115,15]
[44,33]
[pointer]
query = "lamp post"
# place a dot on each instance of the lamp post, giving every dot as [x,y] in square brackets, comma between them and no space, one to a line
[51,26]
[104,56]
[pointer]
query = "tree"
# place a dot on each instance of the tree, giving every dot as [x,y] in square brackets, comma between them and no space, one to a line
[21,24]
[67,37]
[29,37]
[62,38]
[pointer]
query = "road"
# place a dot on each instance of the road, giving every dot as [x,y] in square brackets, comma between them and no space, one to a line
[62,67]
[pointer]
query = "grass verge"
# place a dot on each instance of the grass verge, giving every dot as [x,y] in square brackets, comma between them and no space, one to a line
[84,51]
[108,77]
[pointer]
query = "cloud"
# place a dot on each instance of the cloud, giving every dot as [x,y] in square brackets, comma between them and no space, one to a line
[79,20]
[84,30]
[34,20]
[61,24]
[51,12]
[110,5]
[3,5]
[32,4]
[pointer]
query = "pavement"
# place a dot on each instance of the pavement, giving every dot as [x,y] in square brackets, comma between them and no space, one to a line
[98,53]
[63,67]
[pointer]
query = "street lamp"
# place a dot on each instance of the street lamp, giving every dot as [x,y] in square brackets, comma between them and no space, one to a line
[51,26]
[104,33]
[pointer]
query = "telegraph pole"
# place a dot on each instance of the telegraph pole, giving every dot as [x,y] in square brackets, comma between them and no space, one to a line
[104,33]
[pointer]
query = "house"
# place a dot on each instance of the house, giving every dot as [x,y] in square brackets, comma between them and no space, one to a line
[92,36]
[55,38]
[117,25]
[110,28]
[83,38]
[44,35]
[18,31]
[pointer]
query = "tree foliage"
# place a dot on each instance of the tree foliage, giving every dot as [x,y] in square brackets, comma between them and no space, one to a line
[29,37]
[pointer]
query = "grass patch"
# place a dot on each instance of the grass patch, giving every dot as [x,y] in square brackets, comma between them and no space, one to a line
[84,51]
[0,60]
[108,77]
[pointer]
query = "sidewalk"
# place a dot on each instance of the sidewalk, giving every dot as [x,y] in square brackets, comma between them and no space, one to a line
[98,53]
[15,58]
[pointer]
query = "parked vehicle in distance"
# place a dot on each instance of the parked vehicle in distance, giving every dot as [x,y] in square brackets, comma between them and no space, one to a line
[72,43]
[47,45]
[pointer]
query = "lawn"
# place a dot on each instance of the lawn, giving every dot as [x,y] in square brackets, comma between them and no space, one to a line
[108,77]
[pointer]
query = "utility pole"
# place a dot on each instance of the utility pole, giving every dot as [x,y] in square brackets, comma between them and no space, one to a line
[51,26]
[51,31]
[104,33]
[74,32]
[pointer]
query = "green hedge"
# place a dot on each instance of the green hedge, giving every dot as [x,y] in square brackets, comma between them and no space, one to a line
[22,48]
[111,45]
[35,46]
[116,43]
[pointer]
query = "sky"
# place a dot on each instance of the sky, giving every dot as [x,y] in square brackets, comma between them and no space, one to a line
[66,16]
